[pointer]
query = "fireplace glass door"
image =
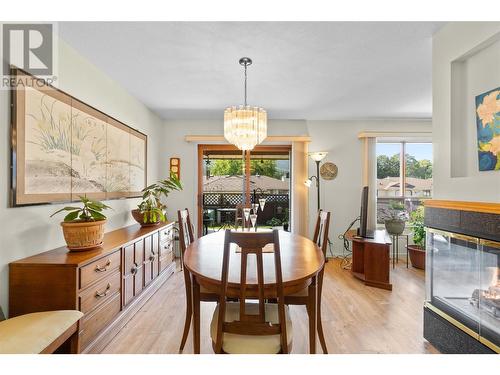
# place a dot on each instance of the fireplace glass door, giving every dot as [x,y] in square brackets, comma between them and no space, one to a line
[463,282]
[489,292]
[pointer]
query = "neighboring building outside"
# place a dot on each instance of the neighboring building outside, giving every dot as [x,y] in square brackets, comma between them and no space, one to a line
[234,184]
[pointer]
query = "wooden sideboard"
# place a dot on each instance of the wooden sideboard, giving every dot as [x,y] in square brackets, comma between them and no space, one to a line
[108,284]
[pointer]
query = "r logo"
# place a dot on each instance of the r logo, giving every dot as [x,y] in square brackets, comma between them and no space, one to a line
[29,47]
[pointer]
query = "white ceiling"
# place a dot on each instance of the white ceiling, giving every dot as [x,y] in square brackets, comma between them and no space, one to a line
[301,70]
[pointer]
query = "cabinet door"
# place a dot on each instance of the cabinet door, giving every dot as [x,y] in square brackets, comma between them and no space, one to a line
[156,253]
[148,260]
[129,271]
[139,264]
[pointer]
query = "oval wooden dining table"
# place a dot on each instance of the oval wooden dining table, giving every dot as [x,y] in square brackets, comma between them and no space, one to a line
[301,261]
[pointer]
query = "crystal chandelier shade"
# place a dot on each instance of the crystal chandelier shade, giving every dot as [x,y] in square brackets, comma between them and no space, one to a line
[245,126]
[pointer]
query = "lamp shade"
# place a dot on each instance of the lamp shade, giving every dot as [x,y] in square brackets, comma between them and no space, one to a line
[318,156]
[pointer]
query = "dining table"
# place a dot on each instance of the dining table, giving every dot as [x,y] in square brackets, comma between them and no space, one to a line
[301,262]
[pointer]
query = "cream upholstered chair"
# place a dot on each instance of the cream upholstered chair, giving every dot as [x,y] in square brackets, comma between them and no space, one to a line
[245,327]
[186,236]
[320,238]
[40,332]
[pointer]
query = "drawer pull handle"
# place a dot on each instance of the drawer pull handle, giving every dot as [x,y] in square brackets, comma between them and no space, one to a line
[102,269]
[103,294]
[134,269]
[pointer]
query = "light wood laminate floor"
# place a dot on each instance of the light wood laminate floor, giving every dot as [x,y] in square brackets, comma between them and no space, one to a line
[356,318]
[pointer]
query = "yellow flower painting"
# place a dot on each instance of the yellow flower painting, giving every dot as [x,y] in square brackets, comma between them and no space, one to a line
[488,130]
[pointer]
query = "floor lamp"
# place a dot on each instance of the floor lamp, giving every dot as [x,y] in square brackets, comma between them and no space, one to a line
[317,157]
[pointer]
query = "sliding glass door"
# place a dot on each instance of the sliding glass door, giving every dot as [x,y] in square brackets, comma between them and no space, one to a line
[228,178]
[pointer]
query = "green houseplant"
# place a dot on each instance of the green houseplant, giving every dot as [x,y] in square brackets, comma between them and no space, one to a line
[395,217]
[83,227]
[151,210]
[416,251]
[286,219]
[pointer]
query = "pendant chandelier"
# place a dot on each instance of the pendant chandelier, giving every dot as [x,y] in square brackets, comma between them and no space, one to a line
[245,126]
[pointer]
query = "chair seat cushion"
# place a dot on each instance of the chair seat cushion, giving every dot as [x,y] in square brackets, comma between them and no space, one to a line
[251,344]
[32,333]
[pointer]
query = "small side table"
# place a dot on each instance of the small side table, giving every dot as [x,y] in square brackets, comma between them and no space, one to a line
[395,247]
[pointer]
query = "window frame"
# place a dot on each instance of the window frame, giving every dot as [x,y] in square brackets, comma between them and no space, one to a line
[402,167]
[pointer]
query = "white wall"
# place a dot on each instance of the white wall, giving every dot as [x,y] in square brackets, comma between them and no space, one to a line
[473,48]
[342,195]
[29,230]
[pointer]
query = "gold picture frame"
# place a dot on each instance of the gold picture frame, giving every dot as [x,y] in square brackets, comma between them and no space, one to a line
[63,148]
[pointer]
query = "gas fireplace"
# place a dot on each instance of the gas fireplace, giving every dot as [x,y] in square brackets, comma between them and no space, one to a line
[462,282]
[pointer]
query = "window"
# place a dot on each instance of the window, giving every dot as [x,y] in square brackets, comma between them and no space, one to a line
[404,173]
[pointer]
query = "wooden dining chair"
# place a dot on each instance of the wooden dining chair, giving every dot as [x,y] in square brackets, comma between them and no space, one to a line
[186,236]
[302,297]
[239,217]
[246,327]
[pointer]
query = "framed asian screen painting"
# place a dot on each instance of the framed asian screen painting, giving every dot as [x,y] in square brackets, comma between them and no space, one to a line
[63,148]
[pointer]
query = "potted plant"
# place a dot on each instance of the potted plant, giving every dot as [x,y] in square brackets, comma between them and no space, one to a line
[417,250]
[286,219]
[83,227]
[274,222]
[151,210]
[395,217]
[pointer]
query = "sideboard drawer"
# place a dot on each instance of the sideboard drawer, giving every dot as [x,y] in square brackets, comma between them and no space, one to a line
[92,324]
[166,234]
[166,260]
[102,291]
[165,248]
[98,269]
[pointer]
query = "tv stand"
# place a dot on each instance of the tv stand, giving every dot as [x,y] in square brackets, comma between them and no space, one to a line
[370,258]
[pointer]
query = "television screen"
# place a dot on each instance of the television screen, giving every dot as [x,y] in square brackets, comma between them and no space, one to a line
[363,217]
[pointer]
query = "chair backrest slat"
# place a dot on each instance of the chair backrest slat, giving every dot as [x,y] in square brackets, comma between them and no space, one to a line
[320,237]
[251,324]
[186,236]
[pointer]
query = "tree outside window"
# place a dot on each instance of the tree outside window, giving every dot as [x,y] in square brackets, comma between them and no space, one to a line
[404,173]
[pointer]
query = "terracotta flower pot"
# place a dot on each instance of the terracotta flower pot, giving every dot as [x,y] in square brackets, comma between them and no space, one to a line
[417,256]
[83,235]
[395,227]
[139,217]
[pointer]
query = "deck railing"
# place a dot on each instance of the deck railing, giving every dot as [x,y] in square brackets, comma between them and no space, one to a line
[275,205]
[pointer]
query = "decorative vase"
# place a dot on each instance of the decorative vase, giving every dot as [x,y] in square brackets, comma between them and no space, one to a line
[417,256]
[83,235]
[139,217]
[395,227]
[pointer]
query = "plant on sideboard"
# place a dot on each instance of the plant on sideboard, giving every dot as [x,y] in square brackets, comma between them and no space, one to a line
[151,210]
[417,250]
[83,227]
